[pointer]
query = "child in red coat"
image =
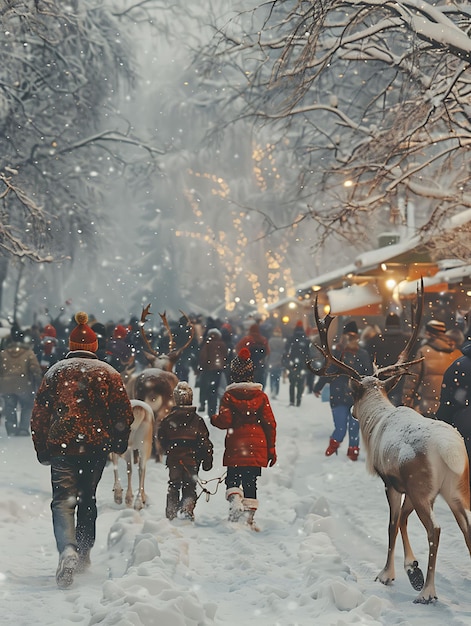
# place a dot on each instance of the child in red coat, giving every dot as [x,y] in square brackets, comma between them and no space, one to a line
[245,413]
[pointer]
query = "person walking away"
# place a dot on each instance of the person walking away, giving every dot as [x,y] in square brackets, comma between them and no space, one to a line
[422,388]
[188,361]
[259,350]
[384,349]
[81,413]
[455,396]
[118,353]
[48,349]
[276,346]
[184,437]
[349,351]
[297,352]
[20,377]
[212,363]
[247,417]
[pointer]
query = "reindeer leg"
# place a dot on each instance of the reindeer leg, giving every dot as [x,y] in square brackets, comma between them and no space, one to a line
[117,488]
[387,574]
[140,501]
[411,565]
[128,499]
[425,513]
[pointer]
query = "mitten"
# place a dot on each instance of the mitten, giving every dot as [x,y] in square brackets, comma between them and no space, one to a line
[207,465]
[271,458]
[44,457]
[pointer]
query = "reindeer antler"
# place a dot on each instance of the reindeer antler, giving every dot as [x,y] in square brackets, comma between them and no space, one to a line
[323,328]
[416,317]
[145,313]
[171,340]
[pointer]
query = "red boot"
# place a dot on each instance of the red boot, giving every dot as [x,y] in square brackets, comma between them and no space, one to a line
[333,446]
[353,452]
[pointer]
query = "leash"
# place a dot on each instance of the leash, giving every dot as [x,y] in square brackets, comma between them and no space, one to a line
[202,483]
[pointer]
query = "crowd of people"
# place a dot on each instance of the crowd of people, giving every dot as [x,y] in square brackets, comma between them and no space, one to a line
[64,385]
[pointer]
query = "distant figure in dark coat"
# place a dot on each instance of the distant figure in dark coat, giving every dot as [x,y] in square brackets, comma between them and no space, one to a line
[384,349]
[297,352]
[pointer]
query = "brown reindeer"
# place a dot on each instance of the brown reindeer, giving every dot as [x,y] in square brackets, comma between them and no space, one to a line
[155,384]
[416,457]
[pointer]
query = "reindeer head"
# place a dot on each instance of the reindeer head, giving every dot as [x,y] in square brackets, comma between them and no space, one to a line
[361,384]
[165,361]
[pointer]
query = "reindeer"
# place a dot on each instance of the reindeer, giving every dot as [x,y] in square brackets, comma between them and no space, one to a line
[139,451]
[155,384]
[416,457]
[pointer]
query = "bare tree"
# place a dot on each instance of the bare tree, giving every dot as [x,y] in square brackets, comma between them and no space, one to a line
[372,100]
[64,141]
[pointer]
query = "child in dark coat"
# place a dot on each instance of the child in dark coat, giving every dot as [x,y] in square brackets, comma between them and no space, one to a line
[185,439]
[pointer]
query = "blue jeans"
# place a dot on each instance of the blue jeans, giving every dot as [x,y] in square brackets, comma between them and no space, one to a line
[343,419]
[74,482]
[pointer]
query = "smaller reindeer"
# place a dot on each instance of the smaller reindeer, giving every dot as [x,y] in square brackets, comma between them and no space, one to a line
[138,452]
[155,384]
[416,457]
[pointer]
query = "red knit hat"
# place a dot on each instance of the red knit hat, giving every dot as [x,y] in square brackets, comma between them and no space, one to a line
[120,332]
[83,337]
[49,331]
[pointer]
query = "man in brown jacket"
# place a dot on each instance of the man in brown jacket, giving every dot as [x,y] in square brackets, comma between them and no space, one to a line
[81,414]
[20,376]
[422,389]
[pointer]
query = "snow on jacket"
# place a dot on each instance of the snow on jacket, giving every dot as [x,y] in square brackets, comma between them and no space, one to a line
[185,437]
[20,372]
[422,389]
[455,397]
[246,414]
[81,408]
[340,393]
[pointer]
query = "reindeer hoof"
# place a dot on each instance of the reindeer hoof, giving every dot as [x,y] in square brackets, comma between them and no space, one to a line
[416,578]
[118,497]
[425,600]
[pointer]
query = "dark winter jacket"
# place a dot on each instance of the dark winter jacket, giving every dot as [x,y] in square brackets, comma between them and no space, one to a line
[422,388]
[384,350]
[340,393]
[455,397]
[213,353]
[20,371]
[246,414]
[81,408]
[184,437]
[297,350]
[257,345]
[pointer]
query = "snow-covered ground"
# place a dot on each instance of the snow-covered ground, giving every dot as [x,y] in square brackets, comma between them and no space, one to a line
[322,542]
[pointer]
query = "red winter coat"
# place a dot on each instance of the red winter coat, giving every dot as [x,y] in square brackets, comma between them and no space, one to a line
[246,414]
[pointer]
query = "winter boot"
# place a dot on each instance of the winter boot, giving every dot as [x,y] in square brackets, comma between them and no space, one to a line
[68,562]
[83,562]
[353,452]
[250,506]
[333,447]
[234,496]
